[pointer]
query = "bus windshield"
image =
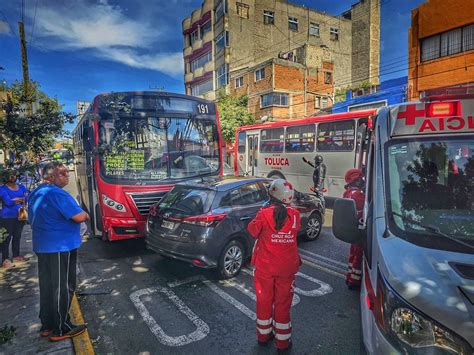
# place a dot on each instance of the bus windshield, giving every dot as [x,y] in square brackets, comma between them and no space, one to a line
[146,149]
[431,188]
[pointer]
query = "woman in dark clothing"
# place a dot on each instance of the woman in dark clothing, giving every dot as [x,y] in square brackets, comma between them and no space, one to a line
[13,196]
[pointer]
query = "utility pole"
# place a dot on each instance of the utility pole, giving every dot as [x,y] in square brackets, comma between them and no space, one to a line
[24,64]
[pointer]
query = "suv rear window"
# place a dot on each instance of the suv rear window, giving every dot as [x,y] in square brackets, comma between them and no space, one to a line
[184,201]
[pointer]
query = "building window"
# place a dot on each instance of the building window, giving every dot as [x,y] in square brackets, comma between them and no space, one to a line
[313,29]
[200,89]
[274,99]
[272,140]
[447,43]
[206,28]
[336,136]
[293,23]
[221,9]
[222,75]
[194,36]
[239,82]
[199,62]
[222,40]
[268,17]
[317,102]
[324,102]
[334,34]
[259,74]
[327,77]
[300,138]
[242,10]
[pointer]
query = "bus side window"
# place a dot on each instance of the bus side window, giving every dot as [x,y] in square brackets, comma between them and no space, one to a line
[241,142]
[336,136]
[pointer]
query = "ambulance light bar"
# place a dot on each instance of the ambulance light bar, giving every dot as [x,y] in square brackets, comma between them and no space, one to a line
[443,109]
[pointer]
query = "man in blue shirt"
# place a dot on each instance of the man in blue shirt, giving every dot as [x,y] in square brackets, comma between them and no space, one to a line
[55,219]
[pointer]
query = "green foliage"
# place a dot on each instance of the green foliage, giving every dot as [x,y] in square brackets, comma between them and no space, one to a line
[31,133]
[233,113]
[6,334]
[341,93]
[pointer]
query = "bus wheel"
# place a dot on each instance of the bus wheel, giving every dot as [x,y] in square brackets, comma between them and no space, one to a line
[276,175]
[313,227]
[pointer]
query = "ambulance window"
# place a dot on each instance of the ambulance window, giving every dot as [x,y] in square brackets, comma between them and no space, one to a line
[241,143]
[271,140]
[336,136]
[300,138]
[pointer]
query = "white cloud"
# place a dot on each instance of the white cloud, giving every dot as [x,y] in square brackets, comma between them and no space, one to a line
[106,32]
[4,27]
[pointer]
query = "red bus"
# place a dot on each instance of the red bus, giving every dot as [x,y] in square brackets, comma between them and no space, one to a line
[276,149]
[132,147]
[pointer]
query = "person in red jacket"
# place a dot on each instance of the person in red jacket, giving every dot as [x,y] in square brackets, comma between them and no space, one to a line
[276,261]
[355,190]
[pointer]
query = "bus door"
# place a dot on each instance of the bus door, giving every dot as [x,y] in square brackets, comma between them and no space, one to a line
[252,154]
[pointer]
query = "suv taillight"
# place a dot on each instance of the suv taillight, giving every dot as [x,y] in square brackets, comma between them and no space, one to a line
[153,210]
[205,220]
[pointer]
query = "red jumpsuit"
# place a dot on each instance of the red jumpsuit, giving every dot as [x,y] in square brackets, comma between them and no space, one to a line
[276,261]
[354,273]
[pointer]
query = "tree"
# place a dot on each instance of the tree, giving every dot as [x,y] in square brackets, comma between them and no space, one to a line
[233,113]
[35,133]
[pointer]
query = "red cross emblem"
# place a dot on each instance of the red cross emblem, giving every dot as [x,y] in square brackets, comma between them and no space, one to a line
[287,184]
[410,114]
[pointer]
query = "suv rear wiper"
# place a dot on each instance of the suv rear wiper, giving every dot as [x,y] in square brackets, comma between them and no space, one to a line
[432,229]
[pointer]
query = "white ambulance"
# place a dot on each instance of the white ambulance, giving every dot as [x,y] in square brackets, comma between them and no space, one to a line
[417,293]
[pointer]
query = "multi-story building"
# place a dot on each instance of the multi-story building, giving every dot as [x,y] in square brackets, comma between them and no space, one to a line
[231,44]
[440,46]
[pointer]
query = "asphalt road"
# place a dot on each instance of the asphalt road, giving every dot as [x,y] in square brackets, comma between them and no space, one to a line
[135,301]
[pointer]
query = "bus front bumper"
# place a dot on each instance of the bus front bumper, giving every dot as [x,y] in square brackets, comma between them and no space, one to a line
[123,228]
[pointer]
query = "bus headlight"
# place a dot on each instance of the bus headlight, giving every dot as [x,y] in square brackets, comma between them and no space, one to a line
[409,330]
[113,204]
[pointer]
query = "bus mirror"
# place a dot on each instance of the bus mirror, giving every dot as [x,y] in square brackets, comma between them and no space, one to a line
[345,225]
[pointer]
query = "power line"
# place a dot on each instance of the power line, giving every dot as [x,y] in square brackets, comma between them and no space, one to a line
[34,21]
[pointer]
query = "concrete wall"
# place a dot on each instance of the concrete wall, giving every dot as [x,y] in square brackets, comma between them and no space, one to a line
[429,19]
[365,42]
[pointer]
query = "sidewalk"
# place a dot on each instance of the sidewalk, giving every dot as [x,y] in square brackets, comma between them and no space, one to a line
[19,307]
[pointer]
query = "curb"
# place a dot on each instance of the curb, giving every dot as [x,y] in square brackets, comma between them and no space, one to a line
[82,343]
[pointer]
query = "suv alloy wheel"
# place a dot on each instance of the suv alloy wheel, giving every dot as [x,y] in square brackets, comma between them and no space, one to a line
[231,260]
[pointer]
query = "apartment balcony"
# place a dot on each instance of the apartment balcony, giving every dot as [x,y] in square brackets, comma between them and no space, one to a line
[188,77]
[198,72]
[186,23]
[187,51]
[208,37]
[197,44]
[196,15]
[209,66]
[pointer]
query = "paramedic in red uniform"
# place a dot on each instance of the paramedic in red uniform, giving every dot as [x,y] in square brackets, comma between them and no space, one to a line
[354,190]
[276,261]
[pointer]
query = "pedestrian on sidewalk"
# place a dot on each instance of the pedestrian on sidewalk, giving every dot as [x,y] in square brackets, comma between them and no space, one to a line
[13,197]
[276,261]
[55,219]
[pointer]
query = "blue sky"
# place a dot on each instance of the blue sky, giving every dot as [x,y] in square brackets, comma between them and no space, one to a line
[77,49]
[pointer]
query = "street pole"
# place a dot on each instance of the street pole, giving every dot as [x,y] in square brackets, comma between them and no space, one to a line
[24,64]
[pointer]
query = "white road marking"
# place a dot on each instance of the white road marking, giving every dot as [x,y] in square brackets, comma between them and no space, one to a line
[202,329]
[322,290]
[224,295]
[323,264]
[344,265]
[322,268]
[296,299]
[187,280]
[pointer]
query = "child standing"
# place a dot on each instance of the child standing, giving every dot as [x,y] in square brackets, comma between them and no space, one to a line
[276,261]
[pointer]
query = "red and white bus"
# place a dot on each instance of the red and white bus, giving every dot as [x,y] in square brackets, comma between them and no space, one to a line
[132,147]
[276,149]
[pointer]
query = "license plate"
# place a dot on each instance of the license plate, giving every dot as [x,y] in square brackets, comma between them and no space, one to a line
[167,225]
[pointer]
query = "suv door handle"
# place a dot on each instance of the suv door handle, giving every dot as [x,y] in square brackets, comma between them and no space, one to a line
[244,218]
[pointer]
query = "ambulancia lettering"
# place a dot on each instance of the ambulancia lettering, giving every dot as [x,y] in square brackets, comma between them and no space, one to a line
[446,124]
[277,161]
